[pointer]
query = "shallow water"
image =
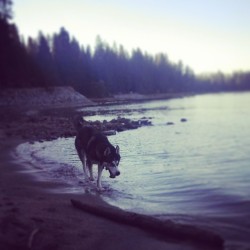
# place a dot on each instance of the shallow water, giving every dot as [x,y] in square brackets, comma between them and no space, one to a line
[193,172]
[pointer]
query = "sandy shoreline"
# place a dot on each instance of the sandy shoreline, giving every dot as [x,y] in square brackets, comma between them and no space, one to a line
[33,218]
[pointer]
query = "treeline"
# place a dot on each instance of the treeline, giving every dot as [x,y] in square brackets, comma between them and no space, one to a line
[17,69]
[59,60]
[237,81]
[107,70]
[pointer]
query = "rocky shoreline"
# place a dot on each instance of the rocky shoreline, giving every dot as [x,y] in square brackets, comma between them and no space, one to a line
[46,114]
[52,124]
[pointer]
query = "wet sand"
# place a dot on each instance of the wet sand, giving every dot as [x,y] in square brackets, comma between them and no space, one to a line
[33,217]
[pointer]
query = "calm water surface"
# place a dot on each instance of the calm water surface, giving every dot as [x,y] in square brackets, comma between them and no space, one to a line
[193,172]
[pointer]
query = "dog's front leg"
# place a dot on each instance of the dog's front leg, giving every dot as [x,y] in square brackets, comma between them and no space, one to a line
[99,184]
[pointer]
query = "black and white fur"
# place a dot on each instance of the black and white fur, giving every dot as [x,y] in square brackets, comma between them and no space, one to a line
[93,147]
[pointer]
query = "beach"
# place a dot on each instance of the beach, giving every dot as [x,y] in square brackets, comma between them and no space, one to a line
[34,216]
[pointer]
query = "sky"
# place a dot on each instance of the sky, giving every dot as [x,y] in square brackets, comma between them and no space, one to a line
[208,36]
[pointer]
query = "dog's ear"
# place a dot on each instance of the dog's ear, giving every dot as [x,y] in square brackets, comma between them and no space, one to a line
[78,122]
[117,149]
[107,151]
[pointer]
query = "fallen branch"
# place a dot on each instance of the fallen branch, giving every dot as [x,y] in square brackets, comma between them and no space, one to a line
[168,229]
[31,237]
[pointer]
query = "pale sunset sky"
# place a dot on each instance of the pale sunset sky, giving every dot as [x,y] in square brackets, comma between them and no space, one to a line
[208,36]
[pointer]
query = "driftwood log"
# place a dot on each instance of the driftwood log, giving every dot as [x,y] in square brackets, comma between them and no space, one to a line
[166,229]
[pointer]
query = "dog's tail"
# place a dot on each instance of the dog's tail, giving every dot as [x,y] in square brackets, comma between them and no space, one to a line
[78,122]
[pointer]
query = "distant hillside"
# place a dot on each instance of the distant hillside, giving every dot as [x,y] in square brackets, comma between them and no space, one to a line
[54,96]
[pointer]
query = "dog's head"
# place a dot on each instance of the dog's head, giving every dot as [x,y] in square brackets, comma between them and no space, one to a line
[112,160]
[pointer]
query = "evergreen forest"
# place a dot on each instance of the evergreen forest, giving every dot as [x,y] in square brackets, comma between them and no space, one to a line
[59,60]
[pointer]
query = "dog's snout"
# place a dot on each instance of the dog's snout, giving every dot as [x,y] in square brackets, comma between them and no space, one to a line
[113,175]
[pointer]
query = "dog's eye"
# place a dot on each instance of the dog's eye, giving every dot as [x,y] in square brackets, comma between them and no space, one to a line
[115,163]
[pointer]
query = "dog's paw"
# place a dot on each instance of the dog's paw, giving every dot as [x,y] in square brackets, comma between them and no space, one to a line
[100,189]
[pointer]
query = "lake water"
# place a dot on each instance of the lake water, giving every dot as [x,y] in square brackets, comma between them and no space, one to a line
[195,172]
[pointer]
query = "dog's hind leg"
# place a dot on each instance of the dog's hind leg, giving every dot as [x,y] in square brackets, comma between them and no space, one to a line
[90,167]
[99,184]
[83,159]
[84,166]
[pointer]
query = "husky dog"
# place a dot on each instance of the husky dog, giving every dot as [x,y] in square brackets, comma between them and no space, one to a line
[93,147]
